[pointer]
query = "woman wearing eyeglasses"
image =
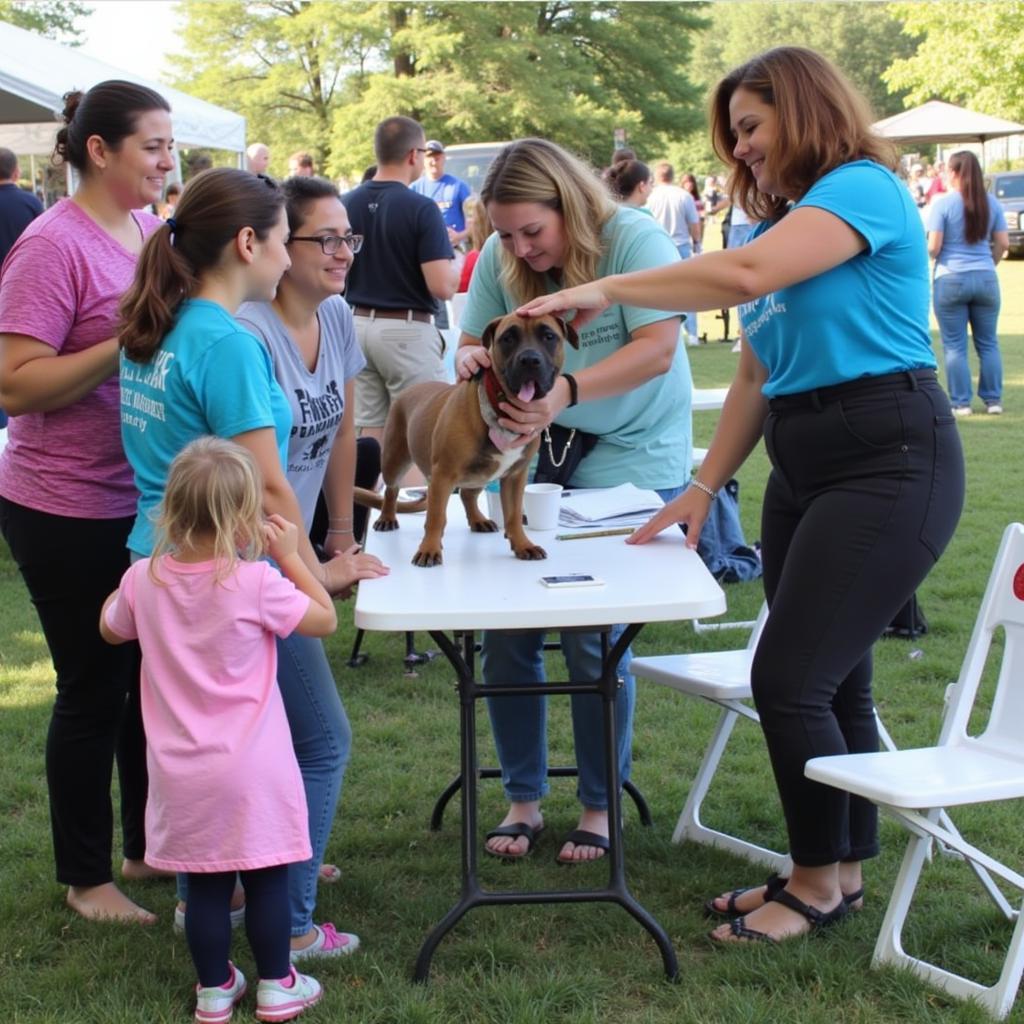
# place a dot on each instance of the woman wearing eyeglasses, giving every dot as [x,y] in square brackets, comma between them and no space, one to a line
[188,369]
[307,329]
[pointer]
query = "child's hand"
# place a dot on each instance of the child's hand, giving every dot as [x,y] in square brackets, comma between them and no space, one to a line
[282,537]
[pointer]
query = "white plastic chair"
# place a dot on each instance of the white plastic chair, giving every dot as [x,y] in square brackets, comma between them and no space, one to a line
[721,678]
[914,785]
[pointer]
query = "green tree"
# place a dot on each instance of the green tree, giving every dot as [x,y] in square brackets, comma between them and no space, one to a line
[969,53]
[862,39]
[55,19]
[320,74]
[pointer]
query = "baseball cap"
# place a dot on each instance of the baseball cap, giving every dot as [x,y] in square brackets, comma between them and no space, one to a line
[433,146]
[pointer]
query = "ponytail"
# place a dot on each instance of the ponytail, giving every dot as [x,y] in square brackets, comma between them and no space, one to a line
[965,165]
[213,208]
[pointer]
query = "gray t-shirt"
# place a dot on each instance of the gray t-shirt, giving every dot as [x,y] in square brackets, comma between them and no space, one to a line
[317,397]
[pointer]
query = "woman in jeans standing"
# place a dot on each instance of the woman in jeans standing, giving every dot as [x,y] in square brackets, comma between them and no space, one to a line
[867,473]
[967,237]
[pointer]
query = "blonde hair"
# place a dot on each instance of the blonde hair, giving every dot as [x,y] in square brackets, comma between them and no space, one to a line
[214,489]
[823,122]
[538,171]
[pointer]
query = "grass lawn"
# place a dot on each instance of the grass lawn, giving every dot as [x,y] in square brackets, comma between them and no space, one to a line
[547,965]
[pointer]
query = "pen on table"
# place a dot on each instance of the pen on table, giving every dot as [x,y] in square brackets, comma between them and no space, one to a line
[621,531]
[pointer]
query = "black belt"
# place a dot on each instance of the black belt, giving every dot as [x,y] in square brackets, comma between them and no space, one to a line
[905,380]
[394,314]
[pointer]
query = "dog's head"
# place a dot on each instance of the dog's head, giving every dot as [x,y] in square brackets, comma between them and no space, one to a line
[527,352]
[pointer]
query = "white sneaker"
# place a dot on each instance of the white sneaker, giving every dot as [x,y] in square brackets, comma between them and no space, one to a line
[995,409]
[237,918]
[215,1005]
[286,998]
[962,410]
[328,942]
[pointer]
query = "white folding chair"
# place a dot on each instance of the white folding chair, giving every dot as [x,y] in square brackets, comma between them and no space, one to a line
[721,678]
[914,785]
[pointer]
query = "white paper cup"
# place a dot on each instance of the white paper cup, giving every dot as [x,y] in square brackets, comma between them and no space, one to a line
[494,507]
[541,503]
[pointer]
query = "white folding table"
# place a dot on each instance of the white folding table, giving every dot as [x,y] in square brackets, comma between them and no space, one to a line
[481,585]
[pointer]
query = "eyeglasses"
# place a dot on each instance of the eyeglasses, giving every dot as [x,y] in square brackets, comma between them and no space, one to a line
[330,244]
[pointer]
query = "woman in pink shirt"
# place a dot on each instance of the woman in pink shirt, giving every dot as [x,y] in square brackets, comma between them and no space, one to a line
[67,498]
[226,794]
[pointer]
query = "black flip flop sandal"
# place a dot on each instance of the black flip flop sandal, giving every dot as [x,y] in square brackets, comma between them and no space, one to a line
[818,919]
[517,830]
[773,885]
[581,837]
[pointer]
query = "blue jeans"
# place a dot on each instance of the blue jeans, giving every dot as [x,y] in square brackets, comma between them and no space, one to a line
[322,739]
[685,251]
[970,297]
[520,723]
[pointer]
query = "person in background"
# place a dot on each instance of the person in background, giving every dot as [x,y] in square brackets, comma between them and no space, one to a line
[447,191]
[407,265]
[688,183]
[628,385]
[867,478]
[937,185]
[675,210]
[631,183]
[67,500]
[307,329]
[171,196]
[257,158]
[480,229]
[967,237]
[301,165]
[206,612]
[918,185]
[18,208]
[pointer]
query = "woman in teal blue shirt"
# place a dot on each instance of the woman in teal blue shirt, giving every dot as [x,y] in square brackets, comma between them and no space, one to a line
[867,473]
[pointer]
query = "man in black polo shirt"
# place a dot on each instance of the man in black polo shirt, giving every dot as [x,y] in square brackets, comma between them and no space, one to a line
[406,262]
[18,208]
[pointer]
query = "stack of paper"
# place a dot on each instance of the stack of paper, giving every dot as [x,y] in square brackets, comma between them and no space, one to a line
[625,505]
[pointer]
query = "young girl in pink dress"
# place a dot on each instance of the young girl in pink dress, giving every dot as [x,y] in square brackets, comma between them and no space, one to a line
[225,793]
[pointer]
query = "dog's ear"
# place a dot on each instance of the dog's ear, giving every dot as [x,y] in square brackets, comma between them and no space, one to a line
[569,331]
[488,336]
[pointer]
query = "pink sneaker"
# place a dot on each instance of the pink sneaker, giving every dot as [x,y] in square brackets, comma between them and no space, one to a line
[215,1005]
[285,998]
[328,942]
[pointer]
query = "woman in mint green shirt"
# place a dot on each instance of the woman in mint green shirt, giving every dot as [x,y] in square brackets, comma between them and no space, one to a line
[556,225]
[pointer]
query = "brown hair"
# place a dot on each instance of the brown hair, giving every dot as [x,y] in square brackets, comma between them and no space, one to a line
[480,226]
[625,176]
[394,137]
[110,110]
[301,193]
[964,164]
[823,122]
[213,208]
[538,171]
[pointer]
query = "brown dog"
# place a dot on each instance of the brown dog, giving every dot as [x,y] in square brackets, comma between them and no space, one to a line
[451,432]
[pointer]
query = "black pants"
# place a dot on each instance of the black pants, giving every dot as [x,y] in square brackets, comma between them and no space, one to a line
[367,472]
[866,488]
[267,921]
[69,567]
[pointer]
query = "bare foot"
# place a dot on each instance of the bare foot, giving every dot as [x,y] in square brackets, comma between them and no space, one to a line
[779,922]
[527,813]
[139,871]
[107,903]
[749,900]
[590,821]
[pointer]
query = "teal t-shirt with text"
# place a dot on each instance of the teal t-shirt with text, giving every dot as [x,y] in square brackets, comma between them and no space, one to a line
[644,435]
[209,376]
[867,316]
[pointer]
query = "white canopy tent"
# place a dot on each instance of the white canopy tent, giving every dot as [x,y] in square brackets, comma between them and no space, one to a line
[940,122]
[36,72]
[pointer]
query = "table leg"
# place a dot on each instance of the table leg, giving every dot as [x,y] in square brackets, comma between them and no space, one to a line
[472,895]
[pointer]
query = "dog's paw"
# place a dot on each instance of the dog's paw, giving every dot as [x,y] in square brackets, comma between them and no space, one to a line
[530,553]
[484,526]
[426,557]
[384,525]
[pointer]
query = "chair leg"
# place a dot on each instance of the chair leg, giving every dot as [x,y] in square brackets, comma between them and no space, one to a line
[689,825]
[998,998]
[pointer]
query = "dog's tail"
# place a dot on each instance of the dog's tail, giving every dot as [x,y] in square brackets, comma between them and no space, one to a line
[371,499]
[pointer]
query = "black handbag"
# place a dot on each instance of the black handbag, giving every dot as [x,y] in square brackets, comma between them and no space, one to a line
[562,449]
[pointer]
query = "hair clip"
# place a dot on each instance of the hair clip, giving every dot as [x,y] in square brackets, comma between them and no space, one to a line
[172,224]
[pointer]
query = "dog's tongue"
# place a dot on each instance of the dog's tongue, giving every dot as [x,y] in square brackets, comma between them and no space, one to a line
[526,391]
